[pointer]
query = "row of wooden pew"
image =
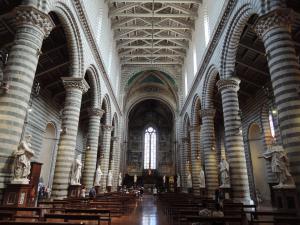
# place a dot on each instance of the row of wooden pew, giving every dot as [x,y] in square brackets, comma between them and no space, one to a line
[100,209]
[183,209]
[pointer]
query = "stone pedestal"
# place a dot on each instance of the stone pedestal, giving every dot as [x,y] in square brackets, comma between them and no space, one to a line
[178,189]
[108,188]
[286,198]
[226,192]
[17,195]
[74,191]
[98,190]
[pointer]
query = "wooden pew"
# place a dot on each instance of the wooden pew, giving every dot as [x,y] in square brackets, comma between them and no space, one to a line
[268,216]
[210,219]
[18,212]
[66,217]
[8,222]
[105,214]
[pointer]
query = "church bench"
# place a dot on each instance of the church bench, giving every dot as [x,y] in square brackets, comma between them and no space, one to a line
[8,222]
[18,212]
[287,221]
[6,214]
[66,217]
[105,214]
[267,216]
[210,219]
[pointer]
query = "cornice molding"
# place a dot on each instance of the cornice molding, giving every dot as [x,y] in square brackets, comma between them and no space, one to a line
[209,52]
[95,50]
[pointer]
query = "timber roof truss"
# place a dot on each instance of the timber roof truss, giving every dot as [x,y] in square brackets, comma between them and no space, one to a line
[153,31]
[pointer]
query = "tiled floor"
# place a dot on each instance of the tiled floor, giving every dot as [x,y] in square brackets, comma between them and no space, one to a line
[145,212]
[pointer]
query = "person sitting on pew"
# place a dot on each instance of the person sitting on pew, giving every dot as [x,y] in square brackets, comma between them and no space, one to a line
[205,212]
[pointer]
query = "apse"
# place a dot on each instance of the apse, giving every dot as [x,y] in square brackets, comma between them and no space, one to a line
[150,138]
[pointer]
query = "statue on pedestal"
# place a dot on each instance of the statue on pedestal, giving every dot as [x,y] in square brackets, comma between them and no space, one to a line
[202,179]
[120,179]
[98,176]
[22,162]
[135,179]
[178,181]
[280,165]
[76,171]
[224,173]
[189,181]
[109,178]
[164,179]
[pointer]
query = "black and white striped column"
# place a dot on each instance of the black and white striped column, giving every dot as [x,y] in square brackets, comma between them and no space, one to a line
[210,155]
[234,144]
[32,26]
[274,29]
[75,87]
[115,164]
[196,157]
[104,157]
[95,115]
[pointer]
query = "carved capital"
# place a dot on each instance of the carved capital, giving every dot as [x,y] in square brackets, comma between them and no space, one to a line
[116,139]
[204,113]
[95,112]
[194,128]
[282,17]
[32,16]
[185,140]
[75,83]
[107,127]
[231,83]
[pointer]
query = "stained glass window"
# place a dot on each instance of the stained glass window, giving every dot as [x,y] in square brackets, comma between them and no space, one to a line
[150,149]
[271,122]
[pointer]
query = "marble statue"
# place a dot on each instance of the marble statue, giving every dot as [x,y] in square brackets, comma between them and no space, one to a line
[224,173]
[120,179]
[178,181]
[164,179]
[98,176]
[76,171]
[135,178]
[189,181]
[109,178]
[22,162]
[280,165]
[202,179]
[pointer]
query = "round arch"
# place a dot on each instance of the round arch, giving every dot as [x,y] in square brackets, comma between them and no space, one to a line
[95,87]
[74,40]
[196,106]
[107,108]
[209,87]
[231,41]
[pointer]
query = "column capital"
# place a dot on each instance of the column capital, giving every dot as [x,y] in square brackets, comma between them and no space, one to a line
[194,128]
[26,14]
[75,83]
[204,113]
[107,127]
[230,83]
[95,112]
[281,17]
[116,139]
[184,140]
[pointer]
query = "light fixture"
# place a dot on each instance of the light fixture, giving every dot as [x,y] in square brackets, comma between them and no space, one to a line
[29,109]
[63,130]
[4,86]
[88,147]
[198,157]
[274,111]
[213,148]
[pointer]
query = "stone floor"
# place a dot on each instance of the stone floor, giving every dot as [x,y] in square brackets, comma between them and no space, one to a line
[145,212]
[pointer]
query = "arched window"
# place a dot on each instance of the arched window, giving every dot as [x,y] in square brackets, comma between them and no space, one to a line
[271,122]
[150,149]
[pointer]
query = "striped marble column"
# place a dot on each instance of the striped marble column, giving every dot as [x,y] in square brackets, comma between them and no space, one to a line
[95,115]
[75,87]
[210,155]
[185,162]
[32,26]
[274,29]
[104,157]
[115,164]
[234,144]
[196,157]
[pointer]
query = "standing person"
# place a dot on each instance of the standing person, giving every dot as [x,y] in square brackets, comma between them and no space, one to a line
[82,191]
[141,192]
[154,192]
[92,193]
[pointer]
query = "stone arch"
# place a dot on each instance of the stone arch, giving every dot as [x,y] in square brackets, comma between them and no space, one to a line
[95,87]
[115,123]
[195,115]
[209,86]
[74,40]
[107,108]
[232,37]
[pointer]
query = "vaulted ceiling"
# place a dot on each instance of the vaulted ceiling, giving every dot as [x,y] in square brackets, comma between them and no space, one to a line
[153,31]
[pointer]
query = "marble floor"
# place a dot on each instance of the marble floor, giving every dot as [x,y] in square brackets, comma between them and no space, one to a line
[145,212]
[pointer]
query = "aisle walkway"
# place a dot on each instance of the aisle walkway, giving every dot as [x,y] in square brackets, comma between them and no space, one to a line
[145,212]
